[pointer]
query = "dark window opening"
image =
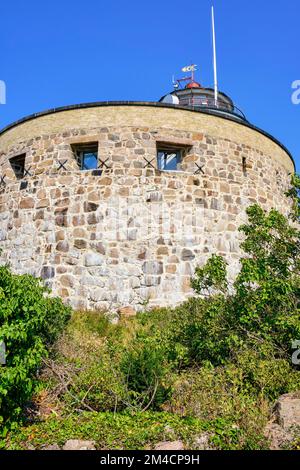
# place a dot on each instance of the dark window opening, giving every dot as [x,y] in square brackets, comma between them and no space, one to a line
[169,159]
[18,165]
[244,165]
[23,185]
[86,155]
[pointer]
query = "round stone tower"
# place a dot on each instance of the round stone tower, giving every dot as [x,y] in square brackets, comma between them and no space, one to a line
[114,204]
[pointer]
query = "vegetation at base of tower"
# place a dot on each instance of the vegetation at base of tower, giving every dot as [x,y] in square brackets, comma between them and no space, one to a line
[264,308]
[125,430]
[294,194]
[85,393]
[30,321]
[213,365]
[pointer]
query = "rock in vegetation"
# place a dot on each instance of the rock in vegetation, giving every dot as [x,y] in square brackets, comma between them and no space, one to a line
[287,410]
[202,442]
[277,436]
[281,430]
[168,445]
[51,447]
[127,311]
[30,447]
[77,444]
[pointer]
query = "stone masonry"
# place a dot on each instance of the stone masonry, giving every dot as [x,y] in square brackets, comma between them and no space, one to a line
[129,234]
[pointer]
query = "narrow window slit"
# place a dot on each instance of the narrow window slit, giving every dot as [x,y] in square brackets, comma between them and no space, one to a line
[245,166]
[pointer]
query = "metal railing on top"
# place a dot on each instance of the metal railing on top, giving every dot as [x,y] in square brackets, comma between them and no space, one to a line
[209,103]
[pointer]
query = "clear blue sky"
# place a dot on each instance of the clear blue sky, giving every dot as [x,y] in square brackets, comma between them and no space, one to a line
[64,52]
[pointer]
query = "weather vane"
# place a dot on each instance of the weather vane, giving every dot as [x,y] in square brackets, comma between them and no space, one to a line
[191,78]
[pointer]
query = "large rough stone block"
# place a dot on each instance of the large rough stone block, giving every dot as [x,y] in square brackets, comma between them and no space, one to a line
[47,272]
[27,203]
[3,235]
[285,423]
[153,267]
[93,259]
[90,206]
[127,311]
[80,244]
[187,255]
[288,410]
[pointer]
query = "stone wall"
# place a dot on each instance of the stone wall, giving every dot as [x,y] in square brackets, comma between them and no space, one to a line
[130,234]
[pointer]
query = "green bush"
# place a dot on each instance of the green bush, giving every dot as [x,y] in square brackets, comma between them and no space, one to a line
[264,306]
[147,370]
[212,394]
[30,321]
[84,371]
[239,390]
[110,367]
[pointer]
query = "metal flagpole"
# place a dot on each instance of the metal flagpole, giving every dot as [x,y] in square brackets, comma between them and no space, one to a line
[215,56]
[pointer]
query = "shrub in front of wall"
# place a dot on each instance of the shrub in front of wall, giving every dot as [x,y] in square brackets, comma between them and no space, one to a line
[264,306]
[30,321]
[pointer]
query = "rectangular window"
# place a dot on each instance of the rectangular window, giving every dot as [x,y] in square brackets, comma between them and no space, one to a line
[86,155]
[18,165]
[169,159]
[89,160]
